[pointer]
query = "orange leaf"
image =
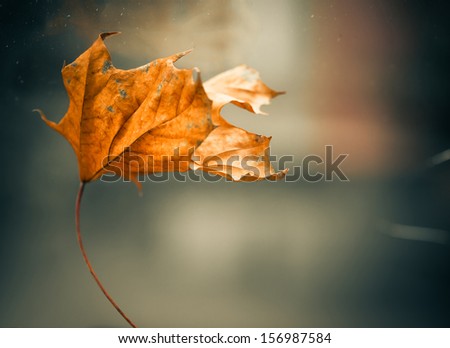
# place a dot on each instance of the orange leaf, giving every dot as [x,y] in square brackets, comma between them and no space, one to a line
[158,118]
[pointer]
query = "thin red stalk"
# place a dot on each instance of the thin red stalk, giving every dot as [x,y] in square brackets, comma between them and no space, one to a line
[88,263]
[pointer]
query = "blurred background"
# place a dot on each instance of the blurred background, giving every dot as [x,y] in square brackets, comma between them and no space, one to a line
[368,77]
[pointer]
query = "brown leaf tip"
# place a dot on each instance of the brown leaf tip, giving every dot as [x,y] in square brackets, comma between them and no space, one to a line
[196,77]
[43,117]
[103,36]
[173,58]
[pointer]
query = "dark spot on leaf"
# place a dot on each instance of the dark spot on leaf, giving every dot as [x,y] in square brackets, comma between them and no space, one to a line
[123,94]
[74,64]
[106,66]
[68,81]
[110,108]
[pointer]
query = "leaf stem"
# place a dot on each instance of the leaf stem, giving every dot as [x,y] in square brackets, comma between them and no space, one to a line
[88,263]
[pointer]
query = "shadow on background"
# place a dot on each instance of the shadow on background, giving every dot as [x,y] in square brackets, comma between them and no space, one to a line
[369,78]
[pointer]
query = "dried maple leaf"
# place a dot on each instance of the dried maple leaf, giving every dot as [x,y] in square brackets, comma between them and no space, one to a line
[151,119]
[158,118]
[151,110]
